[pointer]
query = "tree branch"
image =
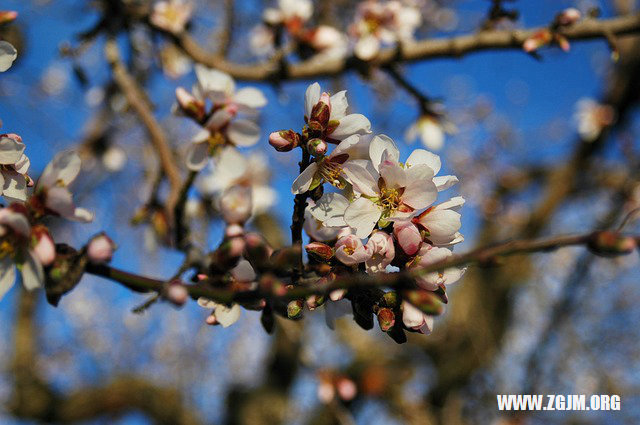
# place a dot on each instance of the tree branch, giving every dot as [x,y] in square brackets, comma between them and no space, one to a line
[452,47]
[309,286]
[134,96]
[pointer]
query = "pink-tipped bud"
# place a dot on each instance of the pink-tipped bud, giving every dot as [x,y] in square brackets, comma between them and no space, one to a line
[386,319]
[100,249]
[177,294]
[315,301]
[568,16]
[408,236]
[7,16]
[44,249]
[189,104]
[284,141]
[319,250]
[317,147]
[321,111]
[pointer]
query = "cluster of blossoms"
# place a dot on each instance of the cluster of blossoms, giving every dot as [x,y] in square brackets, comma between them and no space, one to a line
[25,242]
[227,123]
[292,16]
[379,23]
[380,216]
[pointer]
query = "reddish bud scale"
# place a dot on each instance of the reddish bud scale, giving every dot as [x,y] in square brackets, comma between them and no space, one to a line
[386,319]
[319,251]
[294,309]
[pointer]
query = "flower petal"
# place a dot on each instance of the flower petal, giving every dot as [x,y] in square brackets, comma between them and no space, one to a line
[420,191]
[32,273]
[64,168]
[351,124]
[393,174]
[302,183]
[364,181]
[243,132]
[227,316]
[11,150]
[15,186]
[311,97]
[362,215]
[214,83]
[197,156]
[329,209]
[421,156]
[444,182]
[367,47]
[339,105]
[8,54]
[379,144]
[7,275]
[250,97]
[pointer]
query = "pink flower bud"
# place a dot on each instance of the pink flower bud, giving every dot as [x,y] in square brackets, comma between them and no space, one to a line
[45,249]
[284,141]
[177,294]
[317,147]
[611,244]
[211,320]
[319,250]
[425,301]
[537,40]
[408,236]
[568,16]
[100,249]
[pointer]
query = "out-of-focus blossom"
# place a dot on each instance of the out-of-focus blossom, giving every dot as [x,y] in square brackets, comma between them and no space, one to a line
[290,13]
[231,168]
[430,130]
[14,166]
[537,40]
[236,204]
[378,23]
[592,117]
[262,41]
[7,16]
[8,54]
[114,159]
[415,319]
[171,15]
[223,126]
[17,244]
[328,42]
[568,16]
[175,64]
[51,193]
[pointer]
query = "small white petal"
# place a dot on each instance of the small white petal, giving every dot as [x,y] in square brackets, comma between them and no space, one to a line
[8,54]
[338,105]
[421,156]
[64,168]
[329,209]
[364,181]
[10,150]
[380,144]
[362,215]
[311,97]
[420,191]
[32,273]
[243,132]
[14,186]
[7,275]
[367,47]
[197,156]
[351,124]
[250,97]
[444,182]
[303,181]
[227,316]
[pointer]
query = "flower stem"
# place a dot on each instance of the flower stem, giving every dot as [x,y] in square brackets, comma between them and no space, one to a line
[297,220]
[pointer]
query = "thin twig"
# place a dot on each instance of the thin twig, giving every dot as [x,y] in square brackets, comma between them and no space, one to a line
[297,220]
[135,95]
